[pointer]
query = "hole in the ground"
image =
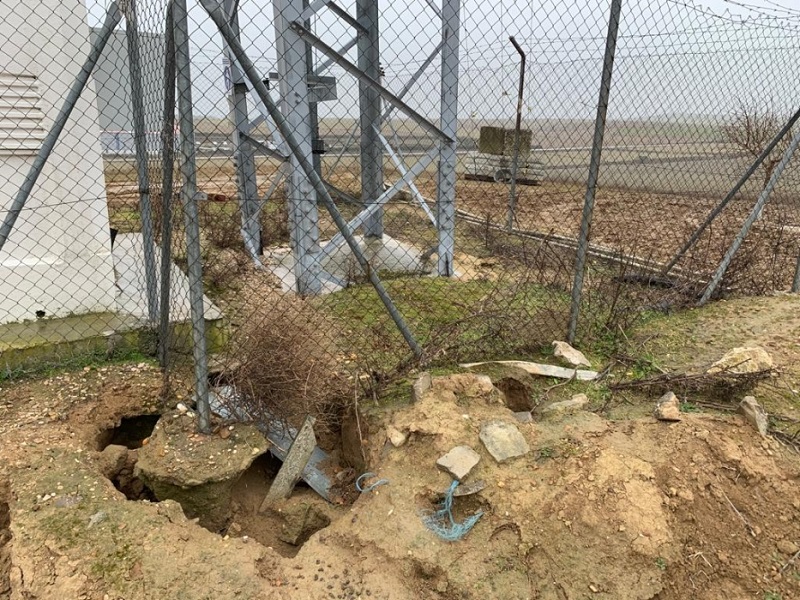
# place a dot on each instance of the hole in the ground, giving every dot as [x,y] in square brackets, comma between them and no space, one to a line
[5,538]
[130,432]
[117,463]
[302,515]
[133,487]
[518,397]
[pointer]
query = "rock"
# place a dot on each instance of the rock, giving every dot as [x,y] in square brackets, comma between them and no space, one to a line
[396,437]
[578,402]
[524,416]
[788,547]
[668,408]
[570,355]
[97,518]
[503,441]
[421,386]
[459,461]
[743,360]
[538,369]
[182,408]
[754,414]
[301,522]
[112,460]
[468,385]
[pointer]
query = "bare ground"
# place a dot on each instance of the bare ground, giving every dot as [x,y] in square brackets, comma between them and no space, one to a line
[627,508]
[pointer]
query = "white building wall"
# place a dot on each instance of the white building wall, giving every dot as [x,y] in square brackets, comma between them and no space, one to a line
[58,258]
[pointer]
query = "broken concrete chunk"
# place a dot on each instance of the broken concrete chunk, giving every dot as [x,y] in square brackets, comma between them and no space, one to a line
[743,360]
[755,414]
[293,465]
[396,437]
[524,416]
[570,355]
[112,460]
[459,461]
[421,386]
[503,441]
[668,408]
[539,369]
[578,402]
[301,523]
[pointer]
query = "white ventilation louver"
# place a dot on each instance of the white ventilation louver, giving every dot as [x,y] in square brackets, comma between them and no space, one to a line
[21,130]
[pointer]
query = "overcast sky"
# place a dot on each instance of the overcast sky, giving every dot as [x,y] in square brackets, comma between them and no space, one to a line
[675,58]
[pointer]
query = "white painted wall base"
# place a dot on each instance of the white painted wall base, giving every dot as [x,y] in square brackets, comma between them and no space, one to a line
[58,258]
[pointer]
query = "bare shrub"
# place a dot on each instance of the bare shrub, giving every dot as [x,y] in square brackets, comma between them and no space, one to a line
[752,128]
[221,224]
[287,365]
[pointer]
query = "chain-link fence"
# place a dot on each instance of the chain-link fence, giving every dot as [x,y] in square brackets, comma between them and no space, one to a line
[320,195]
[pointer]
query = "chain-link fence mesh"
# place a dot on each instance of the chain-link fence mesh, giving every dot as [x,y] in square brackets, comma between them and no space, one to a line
[241,163]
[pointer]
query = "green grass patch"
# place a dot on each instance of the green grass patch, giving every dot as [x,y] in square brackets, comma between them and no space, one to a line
[455,321]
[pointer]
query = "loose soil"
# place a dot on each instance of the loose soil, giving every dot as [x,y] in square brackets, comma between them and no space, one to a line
[610,508]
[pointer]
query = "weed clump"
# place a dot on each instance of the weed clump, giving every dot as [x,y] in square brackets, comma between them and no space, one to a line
[287,365]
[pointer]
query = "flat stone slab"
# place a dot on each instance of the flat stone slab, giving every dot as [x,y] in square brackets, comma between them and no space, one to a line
[570,355]
[459,461]
[539,369]
[578,402]
[293,465]
[755,414]
[503,441]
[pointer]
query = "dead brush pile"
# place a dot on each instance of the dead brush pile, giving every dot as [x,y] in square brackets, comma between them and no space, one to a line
[287,366]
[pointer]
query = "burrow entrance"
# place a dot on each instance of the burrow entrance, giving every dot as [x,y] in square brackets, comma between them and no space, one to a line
[285,529]
[131,432]
[119,447]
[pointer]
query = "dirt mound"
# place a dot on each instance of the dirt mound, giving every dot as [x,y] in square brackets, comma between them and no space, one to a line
[632,509]
[637,509]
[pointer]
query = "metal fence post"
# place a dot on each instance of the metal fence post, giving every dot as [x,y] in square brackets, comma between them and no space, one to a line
[168,164]
[307,167]
[734,190]
[512,195]
[369,101]
[446,188]
[594,168]
[751,218]
[140,145]
[243,149]
[302,202]
[113,17]
[189,197]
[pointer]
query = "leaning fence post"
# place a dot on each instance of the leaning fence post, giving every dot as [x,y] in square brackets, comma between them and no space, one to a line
[594,168]
[113,17]
[189,198]
[733,191]
[168,163]
[308,169]
[751,218]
